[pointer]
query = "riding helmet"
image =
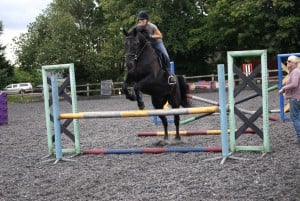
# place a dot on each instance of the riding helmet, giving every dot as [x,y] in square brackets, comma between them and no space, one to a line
[143,15]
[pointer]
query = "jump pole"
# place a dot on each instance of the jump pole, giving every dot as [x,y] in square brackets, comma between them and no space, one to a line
[187,132]
[193,97]
[154,150]
[138,113]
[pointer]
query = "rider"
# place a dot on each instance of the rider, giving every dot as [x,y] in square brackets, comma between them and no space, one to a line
[155,37]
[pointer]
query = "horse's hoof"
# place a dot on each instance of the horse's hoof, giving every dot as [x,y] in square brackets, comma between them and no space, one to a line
[178,138]
[161,143]
[141,105]
[177,142]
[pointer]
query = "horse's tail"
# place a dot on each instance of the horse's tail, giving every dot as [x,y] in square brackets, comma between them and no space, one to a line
[183,87]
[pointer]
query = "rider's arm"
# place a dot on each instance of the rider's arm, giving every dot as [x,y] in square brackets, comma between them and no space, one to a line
[157,34]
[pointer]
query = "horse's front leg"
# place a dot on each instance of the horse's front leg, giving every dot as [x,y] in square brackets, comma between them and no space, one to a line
[125,91]
[164,121]
[139,98]
[176,122]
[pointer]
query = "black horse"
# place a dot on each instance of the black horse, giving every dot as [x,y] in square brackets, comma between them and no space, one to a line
[145,72]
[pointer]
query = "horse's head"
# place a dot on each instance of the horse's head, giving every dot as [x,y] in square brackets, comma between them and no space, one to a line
[134,45]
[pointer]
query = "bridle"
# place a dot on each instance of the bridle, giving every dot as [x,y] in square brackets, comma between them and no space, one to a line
[134,56]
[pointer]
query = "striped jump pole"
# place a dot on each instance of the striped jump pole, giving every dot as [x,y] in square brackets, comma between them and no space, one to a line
[187,133]
[193,97]
[138,113]
[183,133]
[191,119]
[153,150]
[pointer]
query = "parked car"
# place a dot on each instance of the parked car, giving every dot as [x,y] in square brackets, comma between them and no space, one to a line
[39,89]
[18,88]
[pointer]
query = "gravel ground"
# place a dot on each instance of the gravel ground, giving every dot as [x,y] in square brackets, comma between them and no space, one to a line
[169,177]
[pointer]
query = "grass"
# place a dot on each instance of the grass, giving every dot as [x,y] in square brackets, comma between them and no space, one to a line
[17,98]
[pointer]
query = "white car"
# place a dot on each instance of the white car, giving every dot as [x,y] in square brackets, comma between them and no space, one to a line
[18,88]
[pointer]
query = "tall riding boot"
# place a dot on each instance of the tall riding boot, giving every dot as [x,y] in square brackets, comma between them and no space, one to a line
[171,77]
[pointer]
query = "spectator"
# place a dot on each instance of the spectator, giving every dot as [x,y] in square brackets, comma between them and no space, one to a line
[292,92]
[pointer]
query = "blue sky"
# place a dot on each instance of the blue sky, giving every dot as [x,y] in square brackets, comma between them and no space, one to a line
[16,15]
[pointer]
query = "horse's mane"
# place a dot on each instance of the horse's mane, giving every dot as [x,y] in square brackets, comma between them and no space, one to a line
[142,30]
[139,30]
[142,34]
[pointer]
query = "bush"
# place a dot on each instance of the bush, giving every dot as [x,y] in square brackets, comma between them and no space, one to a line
[34,77]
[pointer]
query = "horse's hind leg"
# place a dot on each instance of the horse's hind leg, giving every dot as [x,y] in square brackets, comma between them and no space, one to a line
[176,122]
[165,124]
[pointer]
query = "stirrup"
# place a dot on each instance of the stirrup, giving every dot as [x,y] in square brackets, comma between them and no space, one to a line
[171,80]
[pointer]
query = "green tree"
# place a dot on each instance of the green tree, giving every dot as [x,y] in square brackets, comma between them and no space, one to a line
[88,34]
[180,21]
[6,69]
[176,20]
[196,33]
[69,31]
[249,24]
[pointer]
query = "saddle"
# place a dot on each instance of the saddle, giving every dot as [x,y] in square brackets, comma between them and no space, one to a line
[163,62]
[165,66]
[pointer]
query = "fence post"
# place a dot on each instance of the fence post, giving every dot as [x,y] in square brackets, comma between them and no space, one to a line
[88,89]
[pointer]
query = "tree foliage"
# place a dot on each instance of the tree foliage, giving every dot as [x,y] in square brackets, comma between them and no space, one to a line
[196,33]
[6,69]
[251,24]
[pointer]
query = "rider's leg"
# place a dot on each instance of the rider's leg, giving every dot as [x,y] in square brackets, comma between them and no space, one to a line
[160,49]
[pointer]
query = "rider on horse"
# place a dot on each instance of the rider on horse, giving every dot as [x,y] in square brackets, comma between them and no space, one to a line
[155,37]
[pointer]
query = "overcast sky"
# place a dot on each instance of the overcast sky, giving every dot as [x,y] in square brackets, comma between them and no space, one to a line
[16,15]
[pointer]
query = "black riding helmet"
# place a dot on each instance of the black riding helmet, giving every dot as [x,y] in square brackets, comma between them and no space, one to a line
[143,15]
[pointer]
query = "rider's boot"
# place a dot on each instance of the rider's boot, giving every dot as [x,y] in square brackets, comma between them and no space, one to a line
[165,65]
[171,77]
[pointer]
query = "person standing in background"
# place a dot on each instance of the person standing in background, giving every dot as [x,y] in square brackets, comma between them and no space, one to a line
[292,92]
